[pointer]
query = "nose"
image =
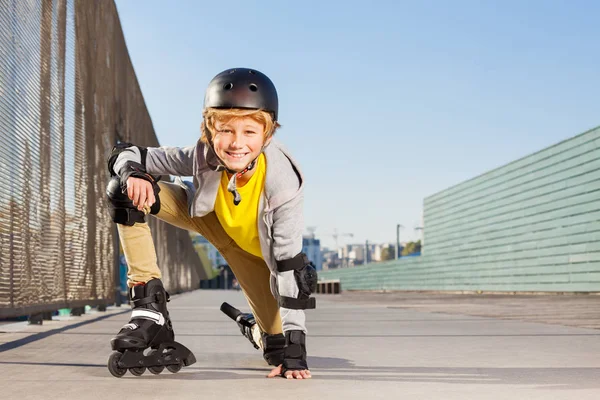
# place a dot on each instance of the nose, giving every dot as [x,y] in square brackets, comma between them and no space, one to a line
[238,140]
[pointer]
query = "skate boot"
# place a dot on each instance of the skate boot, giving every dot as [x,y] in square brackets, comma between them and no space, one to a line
[149,327]
[272,344]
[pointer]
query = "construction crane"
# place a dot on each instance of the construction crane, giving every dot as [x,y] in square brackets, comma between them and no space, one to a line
[335,235]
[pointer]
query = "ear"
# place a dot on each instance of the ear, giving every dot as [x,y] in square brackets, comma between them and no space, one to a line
[267,141]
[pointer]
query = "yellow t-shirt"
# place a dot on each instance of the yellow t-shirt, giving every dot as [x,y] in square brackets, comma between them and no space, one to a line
[241,221]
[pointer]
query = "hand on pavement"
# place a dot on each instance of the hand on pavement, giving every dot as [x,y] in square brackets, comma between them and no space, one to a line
[299,374]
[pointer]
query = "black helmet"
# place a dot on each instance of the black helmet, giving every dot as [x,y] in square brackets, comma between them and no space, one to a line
[242,88]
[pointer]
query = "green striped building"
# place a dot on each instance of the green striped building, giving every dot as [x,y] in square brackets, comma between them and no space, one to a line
[531,225]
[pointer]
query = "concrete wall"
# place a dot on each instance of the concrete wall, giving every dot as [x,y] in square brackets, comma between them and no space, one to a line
[531,225]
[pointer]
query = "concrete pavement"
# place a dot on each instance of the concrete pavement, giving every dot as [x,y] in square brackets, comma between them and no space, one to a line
[360,346]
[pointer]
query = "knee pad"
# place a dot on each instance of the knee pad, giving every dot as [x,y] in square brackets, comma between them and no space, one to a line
[306,279]
[121,208]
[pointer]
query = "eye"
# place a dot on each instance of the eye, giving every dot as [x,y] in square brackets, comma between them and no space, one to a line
[250,133]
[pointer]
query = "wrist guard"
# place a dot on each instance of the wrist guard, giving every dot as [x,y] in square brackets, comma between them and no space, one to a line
[294,353]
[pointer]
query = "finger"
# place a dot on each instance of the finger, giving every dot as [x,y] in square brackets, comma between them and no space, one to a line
[136,194]
[143,195]
[275,372]
[130,189]
[272,374]
[293,375]
[305,374]
[150,196]
[142,201]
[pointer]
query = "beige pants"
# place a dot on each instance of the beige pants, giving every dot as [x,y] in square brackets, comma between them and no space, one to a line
[251,272]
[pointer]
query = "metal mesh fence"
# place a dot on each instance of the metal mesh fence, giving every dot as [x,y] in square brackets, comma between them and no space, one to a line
[68,93]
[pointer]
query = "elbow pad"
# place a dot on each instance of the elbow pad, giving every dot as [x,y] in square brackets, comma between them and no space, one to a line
[125,147]
[130,168]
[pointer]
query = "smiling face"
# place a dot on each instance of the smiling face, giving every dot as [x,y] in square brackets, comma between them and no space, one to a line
[238,141]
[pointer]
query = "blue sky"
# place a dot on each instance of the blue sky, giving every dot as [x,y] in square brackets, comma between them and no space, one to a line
[383,103]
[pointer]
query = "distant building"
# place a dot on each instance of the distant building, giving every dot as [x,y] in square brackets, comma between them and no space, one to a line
[357,254]
[311,246]
[376,254]
[330,259]
[385,249]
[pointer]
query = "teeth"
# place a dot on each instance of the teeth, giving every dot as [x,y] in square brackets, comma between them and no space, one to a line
[236,155]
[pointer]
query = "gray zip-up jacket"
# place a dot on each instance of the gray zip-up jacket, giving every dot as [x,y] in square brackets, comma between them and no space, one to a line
[280,218]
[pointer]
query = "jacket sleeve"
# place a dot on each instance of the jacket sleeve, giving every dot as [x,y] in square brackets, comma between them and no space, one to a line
[288,225]
[177,161]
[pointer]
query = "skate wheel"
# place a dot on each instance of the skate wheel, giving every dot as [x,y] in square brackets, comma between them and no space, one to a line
[156,370]
[137,371]
[175,368]
[113,365]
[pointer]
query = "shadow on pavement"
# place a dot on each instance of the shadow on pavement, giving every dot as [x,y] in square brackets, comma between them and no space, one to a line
[34,337]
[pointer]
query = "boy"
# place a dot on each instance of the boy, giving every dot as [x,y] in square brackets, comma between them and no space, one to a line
[246,199]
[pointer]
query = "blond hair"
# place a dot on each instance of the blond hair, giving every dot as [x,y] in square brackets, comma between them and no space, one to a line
[211,115]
